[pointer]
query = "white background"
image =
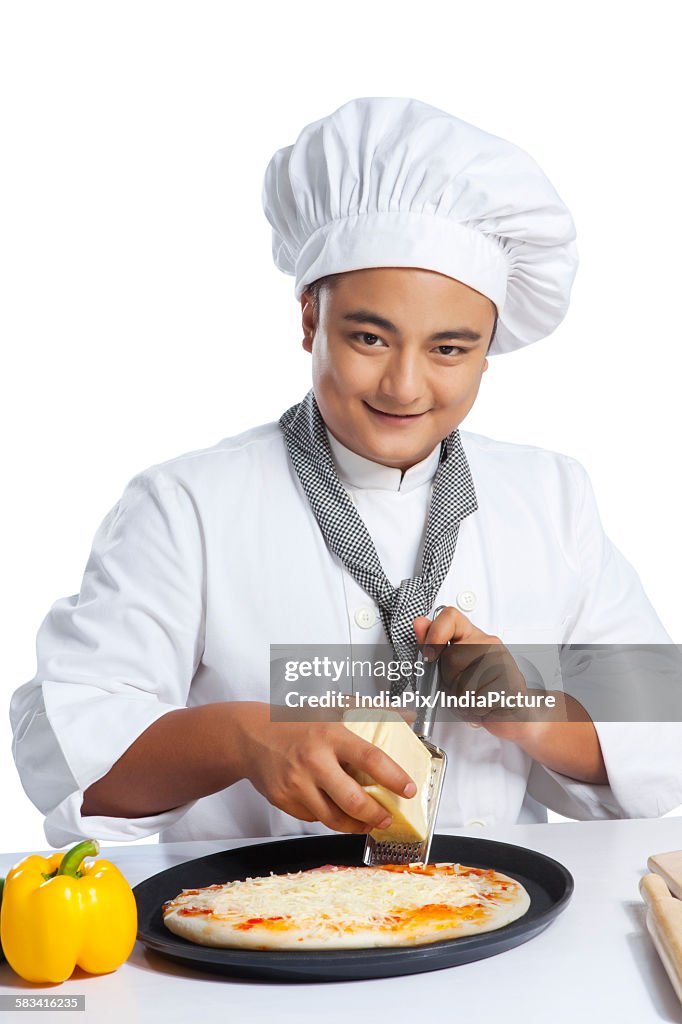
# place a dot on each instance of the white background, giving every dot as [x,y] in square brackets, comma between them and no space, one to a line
[141,315]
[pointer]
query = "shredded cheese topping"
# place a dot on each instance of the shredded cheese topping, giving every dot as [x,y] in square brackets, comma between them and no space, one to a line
[345,899]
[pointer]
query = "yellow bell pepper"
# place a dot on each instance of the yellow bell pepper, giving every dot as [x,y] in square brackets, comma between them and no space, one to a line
[2,885]
[57,913]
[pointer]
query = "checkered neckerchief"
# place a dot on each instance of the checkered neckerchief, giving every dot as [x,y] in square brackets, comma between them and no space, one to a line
[453,498]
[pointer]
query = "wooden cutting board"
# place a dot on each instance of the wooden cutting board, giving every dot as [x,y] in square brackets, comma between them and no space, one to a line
[669,867]
[664,923]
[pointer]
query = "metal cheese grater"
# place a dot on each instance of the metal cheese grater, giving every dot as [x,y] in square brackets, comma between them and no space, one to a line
[390,851]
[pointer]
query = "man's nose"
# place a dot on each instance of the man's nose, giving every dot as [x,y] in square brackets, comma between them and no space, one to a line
[402,381]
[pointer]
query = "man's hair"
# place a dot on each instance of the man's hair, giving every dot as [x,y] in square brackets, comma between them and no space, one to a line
[315,289]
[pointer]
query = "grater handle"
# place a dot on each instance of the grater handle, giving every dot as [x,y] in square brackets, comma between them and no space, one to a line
[428,688]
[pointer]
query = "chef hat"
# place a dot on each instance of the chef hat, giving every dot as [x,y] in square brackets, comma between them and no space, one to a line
[393,182]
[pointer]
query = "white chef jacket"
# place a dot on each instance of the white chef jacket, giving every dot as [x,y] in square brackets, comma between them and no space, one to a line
[203,550]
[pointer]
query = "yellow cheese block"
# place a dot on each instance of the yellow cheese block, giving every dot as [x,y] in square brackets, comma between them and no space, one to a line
[392,734]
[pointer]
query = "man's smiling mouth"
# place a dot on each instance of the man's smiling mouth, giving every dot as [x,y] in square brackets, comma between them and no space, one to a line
[395,416]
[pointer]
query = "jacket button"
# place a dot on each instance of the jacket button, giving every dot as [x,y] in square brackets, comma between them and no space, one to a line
[466,600]
[476,823]
[365,618]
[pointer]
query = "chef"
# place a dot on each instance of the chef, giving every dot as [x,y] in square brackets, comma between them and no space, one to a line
[420,246]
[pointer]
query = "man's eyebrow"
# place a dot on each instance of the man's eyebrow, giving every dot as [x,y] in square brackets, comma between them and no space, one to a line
[365,316]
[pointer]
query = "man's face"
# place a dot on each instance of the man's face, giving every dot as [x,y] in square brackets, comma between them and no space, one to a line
[398,355]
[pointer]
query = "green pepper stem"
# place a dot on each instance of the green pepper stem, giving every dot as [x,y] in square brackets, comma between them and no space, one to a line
[73,858]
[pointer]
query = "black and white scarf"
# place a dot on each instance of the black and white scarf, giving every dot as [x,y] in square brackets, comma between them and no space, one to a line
[453,498]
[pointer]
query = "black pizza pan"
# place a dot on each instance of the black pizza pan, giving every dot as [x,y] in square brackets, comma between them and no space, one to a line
[548,883]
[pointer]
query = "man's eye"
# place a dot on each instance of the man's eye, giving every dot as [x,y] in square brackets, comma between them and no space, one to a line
[447,350]
[364,336]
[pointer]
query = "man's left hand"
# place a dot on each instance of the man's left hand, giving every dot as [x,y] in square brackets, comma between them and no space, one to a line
[471,660]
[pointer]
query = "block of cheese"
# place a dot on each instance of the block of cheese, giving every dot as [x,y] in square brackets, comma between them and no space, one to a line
[389,731]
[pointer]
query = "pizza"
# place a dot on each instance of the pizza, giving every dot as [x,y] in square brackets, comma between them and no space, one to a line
[335,907]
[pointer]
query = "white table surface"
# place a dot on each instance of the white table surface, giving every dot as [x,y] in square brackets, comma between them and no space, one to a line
[595,962]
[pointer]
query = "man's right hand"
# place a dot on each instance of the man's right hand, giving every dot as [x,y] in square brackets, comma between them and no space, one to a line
[301,768]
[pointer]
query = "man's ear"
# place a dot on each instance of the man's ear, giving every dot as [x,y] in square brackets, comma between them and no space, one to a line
[485,365]
[307,322]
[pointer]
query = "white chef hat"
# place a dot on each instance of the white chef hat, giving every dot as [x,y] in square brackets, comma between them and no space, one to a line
[394,182]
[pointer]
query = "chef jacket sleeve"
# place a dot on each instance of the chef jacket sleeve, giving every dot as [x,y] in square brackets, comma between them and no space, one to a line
[642,758]
[114,658]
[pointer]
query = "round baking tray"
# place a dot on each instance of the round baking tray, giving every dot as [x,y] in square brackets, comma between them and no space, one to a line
[548,883]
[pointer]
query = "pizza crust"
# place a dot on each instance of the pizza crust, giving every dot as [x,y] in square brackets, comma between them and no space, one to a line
[348,908]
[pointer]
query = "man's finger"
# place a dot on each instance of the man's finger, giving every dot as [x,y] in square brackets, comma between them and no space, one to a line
[368,758]
[492,672]
[330,814]
[451,625]
[350,798]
